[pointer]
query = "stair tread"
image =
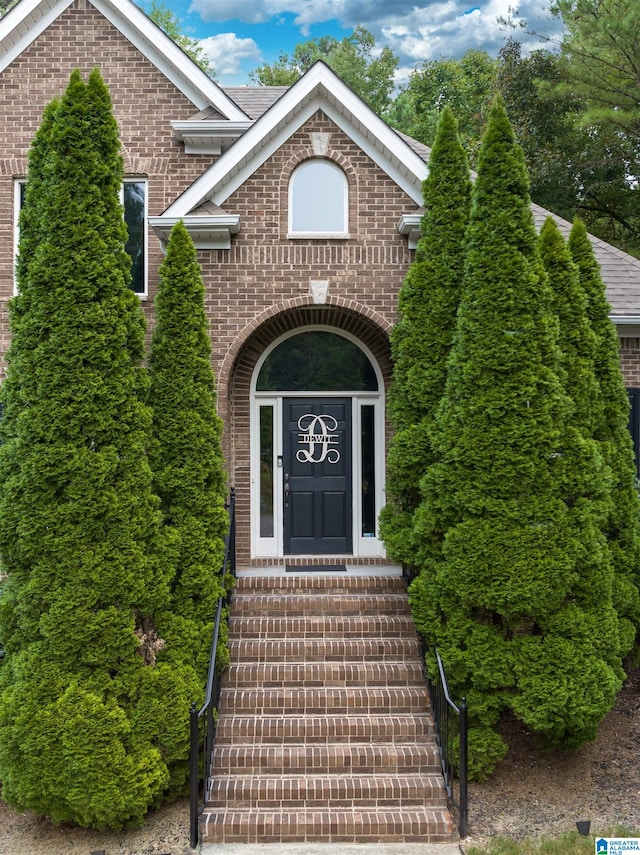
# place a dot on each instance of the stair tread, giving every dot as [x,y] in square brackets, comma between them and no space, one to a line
[425,824]
[325,731]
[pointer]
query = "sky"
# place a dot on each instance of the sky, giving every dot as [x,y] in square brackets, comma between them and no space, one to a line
[240,35]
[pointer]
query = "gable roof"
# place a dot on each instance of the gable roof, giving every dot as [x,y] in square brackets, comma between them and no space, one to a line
[319,89]
[29,18]
[620,271]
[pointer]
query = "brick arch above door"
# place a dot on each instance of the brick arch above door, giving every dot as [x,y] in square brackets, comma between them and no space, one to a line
[365,324]
[359,323]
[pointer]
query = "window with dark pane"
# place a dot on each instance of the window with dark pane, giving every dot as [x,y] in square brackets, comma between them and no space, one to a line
[368,469]
[317,361]
[134,197]
[266,471]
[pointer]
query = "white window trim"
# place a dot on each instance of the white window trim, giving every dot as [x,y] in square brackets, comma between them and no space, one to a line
[294,234]
[144,294]
[20,182]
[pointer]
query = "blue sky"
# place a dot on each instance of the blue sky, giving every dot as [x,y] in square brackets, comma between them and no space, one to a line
[242,34]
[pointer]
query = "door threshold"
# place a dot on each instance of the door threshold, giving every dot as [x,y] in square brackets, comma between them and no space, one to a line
[350,569]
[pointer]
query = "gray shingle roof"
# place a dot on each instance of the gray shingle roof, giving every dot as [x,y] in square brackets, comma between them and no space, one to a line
[254,100]
[620,271]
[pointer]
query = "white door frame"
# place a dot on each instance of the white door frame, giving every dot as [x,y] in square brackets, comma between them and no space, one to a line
[271,546]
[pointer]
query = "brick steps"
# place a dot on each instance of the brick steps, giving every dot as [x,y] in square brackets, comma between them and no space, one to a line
[323,649]
[339,825]
[268,675]
[361,758]
[324,732]
[304,604]
[325,701]
[310,729]
[325,791]
[328,626]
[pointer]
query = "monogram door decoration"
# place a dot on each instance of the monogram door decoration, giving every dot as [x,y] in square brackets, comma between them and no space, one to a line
[316,439]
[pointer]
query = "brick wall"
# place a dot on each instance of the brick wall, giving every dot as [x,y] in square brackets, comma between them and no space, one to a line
[144,102]
[630,358]
[261,286]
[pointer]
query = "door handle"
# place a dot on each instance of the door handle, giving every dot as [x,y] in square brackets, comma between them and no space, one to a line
[287,489]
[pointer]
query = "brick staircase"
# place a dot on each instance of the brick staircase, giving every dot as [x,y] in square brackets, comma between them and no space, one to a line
[324,731]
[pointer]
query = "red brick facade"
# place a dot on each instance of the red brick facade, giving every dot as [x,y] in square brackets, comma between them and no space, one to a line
[258,289]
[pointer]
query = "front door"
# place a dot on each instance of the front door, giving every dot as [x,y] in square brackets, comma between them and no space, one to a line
[317,475]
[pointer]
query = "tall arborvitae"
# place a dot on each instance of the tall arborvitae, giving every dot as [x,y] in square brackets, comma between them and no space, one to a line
[622,527]
[186,458]
[422,338]
[503,601]
[84,718]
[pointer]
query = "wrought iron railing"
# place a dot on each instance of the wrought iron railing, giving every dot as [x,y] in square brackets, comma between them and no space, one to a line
[201,750]
[451,721]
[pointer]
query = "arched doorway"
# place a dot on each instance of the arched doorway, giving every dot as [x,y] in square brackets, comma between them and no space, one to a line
[317,446]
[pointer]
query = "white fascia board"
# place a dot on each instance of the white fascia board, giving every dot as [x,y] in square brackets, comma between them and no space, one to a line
[409,225]
[22,25]
[388,151]
[625,320]
[208,136]
[290,112]
[30,18]
[165,54]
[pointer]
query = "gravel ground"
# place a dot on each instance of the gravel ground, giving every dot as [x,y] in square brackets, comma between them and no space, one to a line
[532,793]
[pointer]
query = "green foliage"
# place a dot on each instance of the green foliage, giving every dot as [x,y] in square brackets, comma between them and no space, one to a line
[354,59]
[577,164]
[80,532]
[574,167]
[569,843]
[622,526]
[466,85]
[186,461]
[600,49]
[167,20]
[421,340]
[519,599]
[599,65]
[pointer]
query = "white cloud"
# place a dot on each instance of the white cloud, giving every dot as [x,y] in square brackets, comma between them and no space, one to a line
[227,52]
[414,32]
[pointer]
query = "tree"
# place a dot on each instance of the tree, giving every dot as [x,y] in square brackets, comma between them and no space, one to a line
[504,600]
[574,167]
[353,59]
[600,53]
[622,526]
[167,20]
[186,456]
[466,85]
[5,5]
[89,721]
[599,60]
[421,340]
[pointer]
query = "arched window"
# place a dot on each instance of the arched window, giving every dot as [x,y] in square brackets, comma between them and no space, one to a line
[317,361]
[318,200]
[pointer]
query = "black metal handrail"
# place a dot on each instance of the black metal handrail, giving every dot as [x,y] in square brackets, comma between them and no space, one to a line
[449,720]
[200,763]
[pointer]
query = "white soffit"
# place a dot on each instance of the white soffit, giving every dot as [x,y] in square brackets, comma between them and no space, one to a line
[318,89]
[30,18]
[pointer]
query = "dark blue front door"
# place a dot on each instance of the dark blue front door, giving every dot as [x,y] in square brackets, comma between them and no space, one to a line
[317,476]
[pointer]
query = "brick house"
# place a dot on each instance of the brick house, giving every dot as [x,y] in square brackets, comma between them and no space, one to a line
[305,208]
